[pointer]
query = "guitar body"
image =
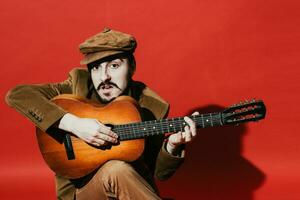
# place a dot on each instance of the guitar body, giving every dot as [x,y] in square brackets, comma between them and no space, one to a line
[122,110]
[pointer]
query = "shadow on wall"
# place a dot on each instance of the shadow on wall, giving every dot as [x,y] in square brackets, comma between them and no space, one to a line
[214,168]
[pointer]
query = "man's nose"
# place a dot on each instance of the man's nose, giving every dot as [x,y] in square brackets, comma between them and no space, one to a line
[104,75]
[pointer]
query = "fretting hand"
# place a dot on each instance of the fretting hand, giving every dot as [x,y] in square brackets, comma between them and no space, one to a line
[176,139]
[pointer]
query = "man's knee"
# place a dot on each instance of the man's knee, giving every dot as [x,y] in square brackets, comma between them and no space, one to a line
[115,169]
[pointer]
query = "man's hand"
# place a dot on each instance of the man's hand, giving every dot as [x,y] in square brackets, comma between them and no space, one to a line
[89,130]
[179,138]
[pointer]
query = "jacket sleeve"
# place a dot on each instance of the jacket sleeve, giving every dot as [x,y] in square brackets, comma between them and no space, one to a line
[167,164]
[33,101]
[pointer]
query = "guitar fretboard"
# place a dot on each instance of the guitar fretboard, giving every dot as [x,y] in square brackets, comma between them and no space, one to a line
[158,127]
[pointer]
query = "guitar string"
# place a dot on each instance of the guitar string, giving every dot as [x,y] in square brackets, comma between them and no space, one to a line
[128,130]
[164,124]
[176,121]
[214,120]
[158,126]
[130,134]
[215,117]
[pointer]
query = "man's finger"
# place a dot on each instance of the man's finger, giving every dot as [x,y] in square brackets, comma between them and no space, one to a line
[188,136]
[98,142]
[110,133]
[192,125]
[106,137]
[179,137]
[195,113]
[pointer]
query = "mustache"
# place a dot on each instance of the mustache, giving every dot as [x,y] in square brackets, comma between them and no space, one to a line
[107,83]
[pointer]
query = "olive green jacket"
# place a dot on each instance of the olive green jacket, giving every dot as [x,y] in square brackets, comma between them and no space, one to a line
[33,102]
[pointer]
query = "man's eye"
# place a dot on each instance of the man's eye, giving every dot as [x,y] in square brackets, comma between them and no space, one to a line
[114,65]
[95,68]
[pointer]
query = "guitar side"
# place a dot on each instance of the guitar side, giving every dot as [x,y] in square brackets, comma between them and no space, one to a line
[123,110]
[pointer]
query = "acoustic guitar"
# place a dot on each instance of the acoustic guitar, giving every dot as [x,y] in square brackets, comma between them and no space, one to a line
[71,157]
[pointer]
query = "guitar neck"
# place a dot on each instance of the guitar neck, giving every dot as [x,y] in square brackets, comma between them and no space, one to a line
[158,127]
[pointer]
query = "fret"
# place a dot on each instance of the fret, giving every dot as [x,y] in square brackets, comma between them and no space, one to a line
[218,121]
[167,124]
[211,119]
[206,121]
[202,121]
[150,124]
[129,131]
[124,131]
[149,129]
[156,128]
[220,118]
[116,130]
[159,128]
[144,129]
[120,132]
[130,135]
[139,128]
[181,125]
[133,130]
[162,126]
[173,125]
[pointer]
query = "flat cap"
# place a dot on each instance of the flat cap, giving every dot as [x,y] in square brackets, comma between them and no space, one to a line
[106,43]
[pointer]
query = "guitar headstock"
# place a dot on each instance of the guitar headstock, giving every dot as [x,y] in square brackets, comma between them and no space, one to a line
[246,111]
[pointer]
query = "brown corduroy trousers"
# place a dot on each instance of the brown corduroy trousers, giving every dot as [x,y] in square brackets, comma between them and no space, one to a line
[116,180]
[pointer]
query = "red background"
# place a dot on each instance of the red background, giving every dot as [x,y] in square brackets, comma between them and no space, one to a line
[196,54]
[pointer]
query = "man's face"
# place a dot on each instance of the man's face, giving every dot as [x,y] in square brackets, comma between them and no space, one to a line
[110,78]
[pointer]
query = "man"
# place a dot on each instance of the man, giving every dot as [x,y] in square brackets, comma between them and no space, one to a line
[111,64]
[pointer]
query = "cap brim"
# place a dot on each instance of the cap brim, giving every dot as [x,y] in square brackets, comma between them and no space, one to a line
[92,57]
